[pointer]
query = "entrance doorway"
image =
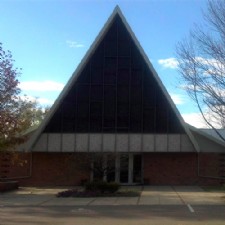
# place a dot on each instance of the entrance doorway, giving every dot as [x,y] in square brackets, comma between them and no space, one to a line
[130,168]
[124,168]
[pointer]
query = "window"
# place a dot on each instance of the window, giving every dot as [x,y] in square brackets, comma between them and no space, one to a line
[124,63]
[149,120]
[111,48]
[162,120]
[136,95]
[96,75]
[96,92]
[124,48]
[123,94]
[136,77]
[83,93]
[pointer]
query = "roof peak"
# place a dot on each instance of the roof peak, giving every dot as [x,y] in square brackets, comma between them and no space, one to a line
[117,10]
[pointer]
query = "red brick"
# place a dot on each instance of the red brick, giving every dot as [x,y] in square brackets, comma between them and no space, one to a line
[64,169]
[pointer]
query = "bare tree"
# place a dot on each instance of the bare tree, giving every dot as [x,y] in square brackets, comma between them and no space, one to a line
[102,165]
[201,58]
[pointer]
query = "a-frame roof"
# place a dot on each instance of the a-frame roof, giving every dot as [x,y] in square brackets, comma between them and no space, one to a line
[77,72]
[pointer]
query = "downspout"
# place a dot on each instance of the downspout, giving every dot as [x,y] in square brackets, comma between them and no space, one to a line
[23,177]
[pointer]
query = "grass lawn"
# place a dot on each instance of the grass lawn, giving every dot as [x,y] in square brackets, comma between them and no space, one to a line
[214,188]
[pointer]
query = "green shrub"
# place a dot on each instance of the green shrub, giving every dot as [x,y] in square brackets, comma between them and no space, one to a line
[102,186]
[92,186]
[112,187]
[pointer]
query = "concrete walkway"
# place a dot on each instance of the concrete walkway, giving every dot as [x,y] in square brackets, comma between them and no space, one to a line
[150,195]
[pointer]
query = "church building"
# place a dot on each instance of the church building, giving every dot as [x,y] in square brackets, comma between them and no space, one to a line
[116,105]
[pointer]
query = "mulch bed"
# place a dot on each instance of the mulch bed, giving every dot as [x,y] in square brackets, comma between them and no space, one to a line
[88,194]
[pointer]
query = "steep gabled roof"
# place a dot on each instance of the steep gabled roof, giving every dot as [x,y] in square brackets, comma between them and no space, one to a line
[76,74]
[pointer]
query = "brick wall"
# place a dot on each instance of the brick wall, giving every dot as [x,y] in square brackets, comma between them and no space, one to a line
[52,169]
[211,165]
[13,164]
[65,169]
[170,168]
[181,168]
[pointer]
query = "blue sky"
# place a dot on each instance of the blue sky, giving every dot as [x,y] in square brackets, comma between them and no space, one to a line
[48,39]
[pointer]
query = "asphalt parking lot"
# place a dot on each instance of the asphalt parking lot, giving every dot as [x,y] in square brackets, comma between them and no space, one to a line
[156,205]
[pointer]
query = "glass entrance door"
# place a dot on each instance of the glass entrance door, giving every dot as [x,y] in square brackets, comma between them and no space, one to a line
[130,168]
[137,168]
[124,168]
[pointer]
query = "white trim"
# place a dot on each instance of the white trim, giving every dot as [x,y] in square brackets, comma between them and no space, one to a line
[130,168]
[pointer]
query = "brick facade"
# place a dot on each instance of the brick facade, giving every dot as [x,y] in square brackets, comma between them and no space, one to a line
[170,168]
[66,169]
[50,169]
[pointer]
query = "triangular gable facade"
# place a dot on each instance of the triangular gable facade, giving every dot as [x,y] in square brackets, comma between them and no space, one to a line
[115,90]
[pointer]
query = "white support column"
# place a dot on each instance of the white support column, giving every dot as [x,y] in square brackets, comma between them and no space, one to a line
[130,169]
[104,167]
[92,172]
[117,168]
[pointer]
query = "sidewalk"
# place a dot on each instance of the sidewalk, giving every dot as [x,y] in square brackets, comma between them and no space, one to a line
[151,195]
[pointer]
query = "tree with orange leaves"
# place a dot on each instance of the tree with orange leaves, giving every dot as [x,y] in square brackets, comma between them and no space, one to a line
[16,112]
